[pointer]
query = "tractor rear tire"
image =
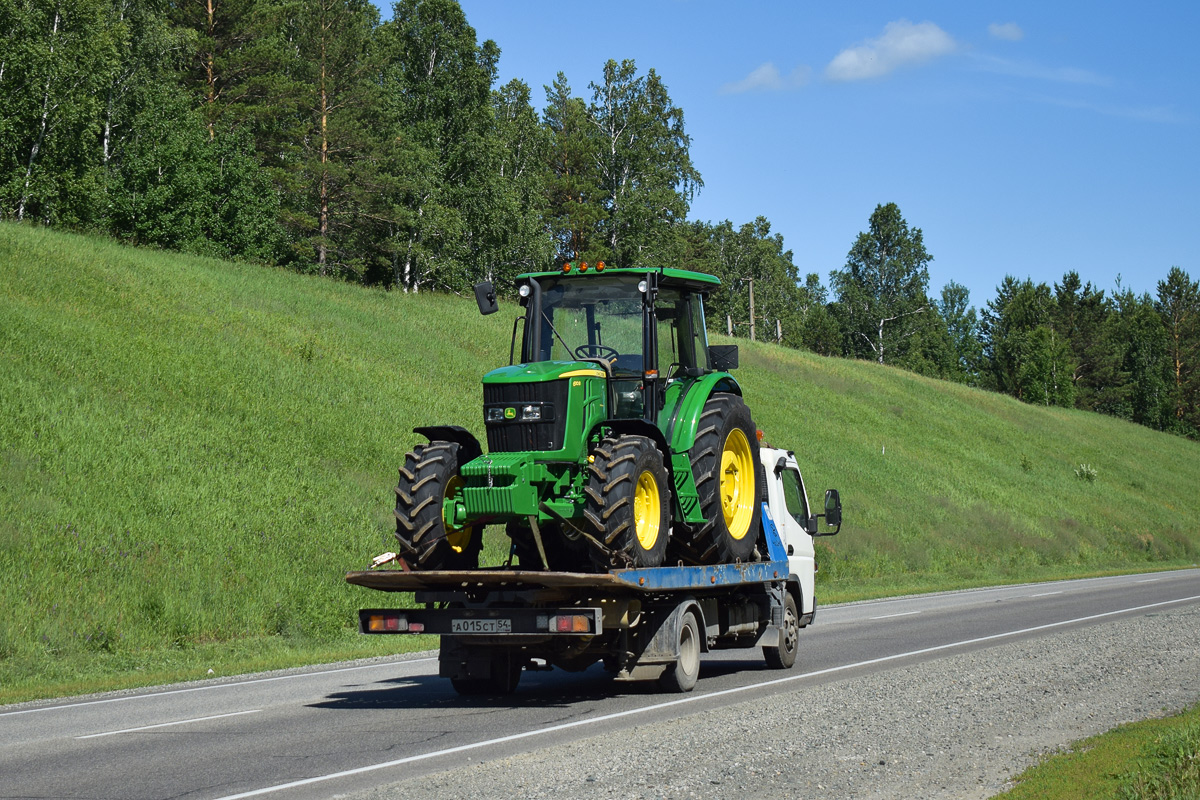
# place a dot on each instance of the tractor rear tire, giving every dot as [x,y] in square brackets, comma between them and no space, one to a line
[430,475]
[729,480]
[629,500]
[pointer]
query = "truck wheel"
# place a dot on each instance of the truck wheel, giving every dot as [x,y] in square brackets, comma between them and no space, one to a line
[728,479]
[628,500]
[429,476]
[683,675]
[783,655]
[503,679]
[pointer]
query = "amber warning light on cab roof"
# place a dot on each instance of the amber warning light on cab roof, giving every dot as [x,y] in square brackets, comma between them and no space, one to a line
[580,266]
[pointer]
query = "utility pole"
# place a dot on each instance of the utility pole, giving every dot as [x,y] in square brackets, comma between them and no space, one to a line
[752,309]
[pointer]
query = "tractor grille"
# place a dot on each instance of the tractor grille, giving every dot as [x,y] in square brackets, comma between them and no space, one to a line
[516,436]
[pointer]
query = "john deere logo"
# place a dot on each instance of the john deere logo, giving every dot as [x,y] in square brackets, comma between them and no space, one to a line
[510,413]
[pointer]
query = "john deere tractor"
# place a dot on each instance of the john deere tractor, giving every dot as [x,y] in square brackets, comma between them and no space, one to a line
[618,437]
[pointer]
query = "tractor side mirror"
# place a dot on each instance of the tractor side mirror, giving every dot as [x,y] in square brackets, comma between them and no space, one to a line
[723,357]
[485,298]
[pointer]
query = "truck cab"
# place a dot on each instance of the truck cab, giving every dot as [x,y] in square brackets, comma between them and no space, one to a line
[787,501]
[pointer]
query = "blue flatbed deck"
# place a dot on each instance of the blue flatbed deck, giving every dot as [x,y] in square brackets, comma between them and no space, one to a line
[653,579]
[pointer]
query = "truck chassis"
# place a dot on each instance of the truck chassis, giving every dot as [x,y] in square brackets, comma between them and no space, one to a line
[640,623]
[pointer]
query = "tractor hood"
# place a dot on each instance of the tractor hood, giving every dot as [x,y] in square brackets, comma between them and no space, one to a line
[541,371]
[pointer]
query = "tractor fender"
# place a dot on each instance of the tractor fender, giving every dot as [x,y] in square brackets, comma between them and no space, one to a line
[468,446]
[637,427]
[686,419]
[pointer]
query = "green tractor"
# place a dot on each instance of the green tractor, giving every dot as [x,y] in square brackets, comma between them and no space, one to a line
[617,439]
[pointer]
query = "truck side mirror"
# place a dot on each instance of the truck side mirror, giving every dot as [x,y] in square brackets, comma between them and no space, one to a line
[485,298]
[723,357]
[833,509]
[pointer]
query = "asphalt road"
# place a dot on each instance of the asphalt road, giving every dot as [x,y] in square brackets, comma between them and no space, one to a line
[334,730]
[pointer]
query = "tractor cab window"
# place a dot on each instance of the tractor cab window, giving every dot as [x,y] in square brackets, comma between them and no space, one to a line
[597,317]
[682,342]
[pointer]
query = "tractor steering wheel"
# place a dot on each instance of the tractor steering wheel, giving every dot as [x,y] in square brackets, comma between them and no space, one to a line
[596,351]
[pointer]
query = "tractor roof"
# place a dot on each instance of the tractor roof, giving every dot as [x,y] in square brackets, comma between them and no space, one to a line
[682,278]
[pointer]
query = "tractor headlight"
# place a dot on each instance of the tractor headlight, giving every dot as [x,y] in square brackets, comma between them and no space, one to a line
[494,414]
[531,414]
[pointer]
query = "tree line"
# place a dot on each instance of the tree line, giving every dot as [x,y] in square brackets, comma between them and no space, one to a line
[312,134]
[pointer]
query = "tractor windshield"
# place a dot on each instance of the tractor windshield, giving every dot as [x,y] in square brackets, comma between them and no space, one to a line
[602,317]
[597,317]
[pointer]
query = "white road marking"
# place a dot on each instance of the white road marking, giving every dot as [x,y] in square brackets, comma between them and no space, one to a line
[683,701]
[1147,580]
[901,614]
[1045,594]
[232,684]
[167,724]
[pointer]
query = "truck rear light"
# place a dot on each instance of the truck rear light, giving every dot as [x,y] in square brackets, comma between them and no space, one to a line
[571,623]
[387,623]
[416,627]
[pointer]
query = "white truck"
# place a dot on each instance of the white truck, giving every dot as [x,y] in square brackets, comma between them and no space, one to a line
[649,623]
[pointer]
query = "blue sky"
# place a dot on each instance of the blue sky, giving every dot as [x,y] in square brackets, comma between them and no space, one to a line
[1023,138]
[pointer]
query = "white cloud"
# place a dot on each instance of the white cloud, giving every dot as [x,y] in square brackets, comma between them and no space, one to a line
[1026,69]
[1008,31]
[901,44]
[1163,114]
[767,78]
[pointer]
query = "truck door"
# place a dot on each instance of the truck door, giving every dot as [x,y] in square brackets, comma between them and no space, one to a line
[795,535]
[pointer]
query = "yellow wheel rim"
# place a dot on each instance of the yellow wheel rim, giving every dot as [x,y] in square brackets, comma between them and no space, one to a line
[737,484]
[457,538]
[647,510]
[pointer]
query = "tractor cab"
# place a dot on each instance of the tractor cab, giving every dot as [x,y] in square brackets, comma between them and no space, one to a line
[642,328]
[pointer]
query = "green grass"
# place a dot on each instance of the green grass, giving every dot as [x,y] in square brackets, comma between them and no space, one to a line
[1151,760]
[193,452]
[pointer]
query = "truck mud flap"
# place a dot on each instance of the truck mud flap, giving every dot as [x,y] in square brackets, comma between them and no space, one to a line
[663,646]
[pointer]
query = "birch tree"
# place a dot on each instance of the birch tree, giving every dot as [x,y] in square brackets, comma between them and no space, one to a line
[882,287]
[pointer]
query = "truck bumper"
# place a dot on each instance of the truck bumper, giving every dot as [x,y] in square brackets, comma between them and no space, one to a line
[484,623]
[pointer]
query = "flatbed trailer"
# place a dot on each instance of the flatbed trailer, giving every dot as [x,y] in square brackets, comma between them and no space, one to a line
[640,623]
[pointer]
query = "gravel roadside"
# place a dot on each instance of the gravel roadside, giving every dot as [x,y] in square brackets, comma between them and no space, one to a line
[960,726]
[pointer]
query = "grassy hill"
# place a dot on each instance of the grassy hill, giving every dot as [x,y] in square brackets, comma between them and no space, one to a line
[193,452]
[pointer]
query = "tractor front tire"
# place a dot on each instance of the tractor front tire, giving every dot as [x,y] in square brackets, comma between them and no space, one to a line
[729,481]
[429,476]
[628,500]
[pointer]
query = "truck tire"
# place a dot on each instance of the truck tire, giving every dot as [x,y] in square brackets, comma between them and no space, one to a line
[628,500]
[729,481]
[430,475]
[682,676]
[783,654]
[503,678]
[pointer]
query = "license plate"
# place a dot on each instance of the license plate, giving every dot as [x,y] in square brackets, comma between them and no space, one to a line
[481,626]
